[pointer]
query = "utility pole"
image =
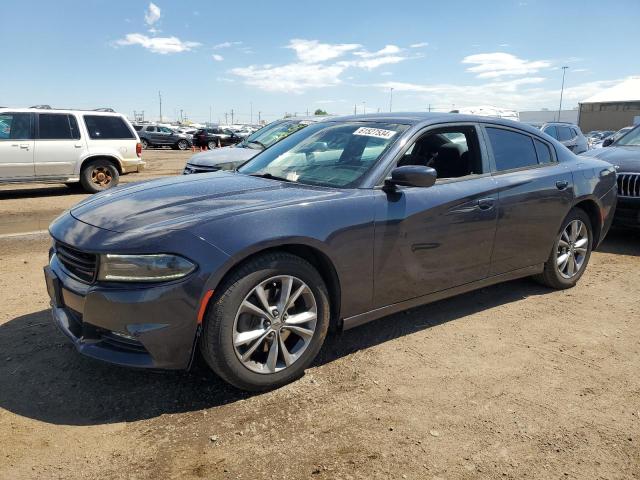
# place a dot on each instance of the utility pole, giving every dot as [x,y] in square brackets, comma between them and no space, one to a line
[391,100]
[259,120]
[355,109]
[429,107]
[226,118]
[181,117]
[364,108]
[251,107]
[307,112]
[564,69]
[232,117]
[160,100]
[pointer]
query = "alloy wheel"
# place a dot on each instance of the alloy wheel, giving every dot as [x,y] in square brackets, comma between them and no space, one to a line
[275,324]
[572,249]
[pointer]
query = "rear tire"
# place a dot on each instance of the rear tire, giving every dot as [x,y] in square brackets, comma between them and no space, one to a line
[145,143]
[239,340]
[182,145]
[99,175]
[211,145]
[570,253]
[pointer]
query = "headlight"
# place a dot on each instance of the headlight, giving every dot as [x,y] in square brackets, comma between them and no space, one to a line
[143,268]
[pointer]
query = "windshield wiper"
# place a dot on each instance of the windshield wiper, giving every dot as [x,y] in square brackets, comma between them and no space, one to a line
[270,177]
[257,143]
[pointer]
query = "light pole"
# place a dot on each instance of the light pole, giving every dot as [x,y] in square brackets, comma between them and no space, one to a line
[364,108]
[391,100]
[564,70]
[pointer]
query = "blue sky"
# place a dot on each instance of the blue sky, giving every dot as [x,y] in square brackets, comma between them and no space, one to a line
[291,56]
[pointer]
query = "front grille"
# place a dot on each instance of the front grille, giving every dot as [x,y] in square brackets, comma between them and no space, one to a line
[81,265]
[629,185]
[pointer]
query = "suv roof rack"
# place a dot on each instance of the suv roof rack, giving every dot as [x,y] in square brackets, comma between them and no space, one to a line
[42,107]
[104,109]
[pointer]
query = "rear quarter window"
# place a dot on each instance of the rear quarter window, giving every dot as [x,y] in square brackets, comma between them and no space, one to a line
[103,127]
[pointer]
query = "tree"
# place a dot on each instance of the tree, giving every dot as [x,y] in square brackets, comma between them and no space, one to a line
[319,111]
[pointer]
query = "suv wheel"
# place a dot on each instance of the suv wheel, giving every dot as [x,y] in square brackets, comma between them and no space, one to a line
[182,145]
[98,175]
[266,323]
[570,253]
[145,143]
[212,144]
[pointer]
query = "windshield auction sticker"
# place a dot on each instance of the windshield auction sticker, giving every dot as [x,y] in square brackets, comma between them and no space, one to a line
[375,132]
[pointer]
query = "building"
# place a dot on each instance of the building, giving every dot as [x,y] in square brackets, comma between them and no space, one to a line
[544,116]
[612,109]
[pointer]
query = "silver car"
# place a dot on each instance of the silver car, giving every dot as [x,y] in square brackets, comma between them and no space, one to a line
[229,158]
[569,134]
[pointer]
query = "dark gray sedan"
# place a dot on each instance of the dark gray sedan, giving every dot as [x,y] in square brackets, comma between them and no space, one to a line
[341,223]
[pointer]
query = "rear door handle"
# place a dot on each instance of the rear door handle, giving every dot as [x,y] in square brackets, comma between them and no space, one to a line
[78,145]
[486,203]
[562,184]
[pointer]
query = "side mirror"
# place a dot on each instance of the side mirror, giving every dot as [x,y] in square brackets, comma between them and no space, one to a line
[412,176]
[607,142]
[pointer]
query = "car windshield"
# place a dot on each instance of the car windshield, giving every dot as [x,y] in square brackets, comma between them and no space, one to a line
[326,154]
[631,138]
[273,132]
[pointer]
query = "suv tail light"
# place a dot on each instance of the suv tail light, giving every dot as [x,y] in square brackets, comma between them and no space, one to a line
[139,149]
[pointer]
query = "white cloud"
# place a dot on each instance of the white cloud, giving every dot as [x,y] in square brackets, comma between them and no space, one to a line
[372,63]
[387,50]
[419,45]
[498,64]
[217,58]
[162,45]
[386,74]
[226,45]
[518,94]
[152,15]
[291,78]
[312,51]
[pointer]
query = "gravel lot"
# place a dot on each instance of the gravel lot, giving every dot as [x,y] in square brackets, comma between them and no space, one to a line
[511,381]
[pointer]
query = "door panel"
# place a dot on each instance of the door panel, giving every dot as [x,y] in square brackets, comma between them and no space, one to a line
[532,205]
[59,147]
[431,239]
[16,145]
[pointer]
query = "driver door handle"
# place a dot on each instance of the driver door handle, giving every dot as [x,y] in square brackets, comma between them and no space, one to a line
[562,184]
[486,203]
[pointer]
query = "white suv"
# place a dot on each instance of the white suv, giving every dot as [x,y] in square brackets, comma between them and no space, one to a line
[67,146]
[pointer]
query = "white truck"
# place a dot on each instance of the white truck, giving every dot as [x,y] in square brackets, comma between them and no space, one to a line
[67,146]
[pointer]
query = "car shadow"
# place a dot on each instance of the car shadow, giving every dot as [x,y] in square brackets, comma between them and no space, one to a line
[44,378]
[36,192]
[621,242]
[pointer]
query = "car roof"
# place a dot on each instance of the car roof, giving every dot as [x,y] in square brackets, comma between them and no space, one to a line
[58,110]
[433,118]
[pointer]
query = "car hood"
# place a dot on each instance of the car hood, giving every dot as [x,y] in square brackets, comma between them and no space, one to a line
[180,202]
[626,159]
[222,155]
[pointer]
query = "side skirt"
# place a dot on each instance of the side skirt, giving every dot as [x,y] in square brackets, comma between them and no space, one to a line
[363,318]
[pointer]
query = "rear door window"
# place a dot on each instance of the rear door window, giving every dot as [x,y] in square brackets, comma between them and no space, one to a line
[511,149]
[57,126]
[16,126]
[103,127]
[564,134]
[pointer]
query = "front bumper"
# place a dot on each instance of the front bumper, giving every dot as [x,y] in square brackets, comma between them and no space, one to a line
[152,327]
[627,213]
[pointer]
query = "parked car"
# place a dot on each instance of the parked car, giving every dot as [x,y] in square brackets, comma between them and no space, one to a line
[624,154]
[67,146]
[230,158]
[340,223]
[612,138]
[159,136]
[568,134]
[214,137]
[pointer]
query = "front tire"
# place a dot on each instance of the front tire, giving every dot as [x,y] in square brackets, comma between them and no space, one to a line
[266,323]
[570,253]
[98,175]
[211,145]
[182,145]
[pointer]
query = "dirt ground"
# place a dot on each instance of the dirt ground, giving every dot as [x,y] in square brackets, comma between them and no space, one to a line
[511,381]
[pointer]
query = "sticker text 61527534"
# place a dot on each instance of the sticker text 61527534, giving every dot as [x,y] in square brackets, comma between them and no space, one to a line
[375,132]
